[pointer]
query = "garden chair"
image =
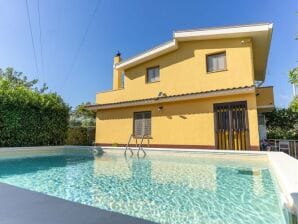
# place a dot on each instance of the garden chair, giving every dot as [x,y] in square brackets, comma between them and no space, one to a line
[284,146]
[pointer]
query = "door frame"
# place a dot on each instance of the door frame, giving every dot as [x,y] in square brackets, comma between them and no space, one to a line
[229,104]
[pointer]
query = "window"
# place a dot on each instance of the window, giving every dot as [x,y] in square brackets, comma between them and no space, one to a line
[152,74]
[216,62]
[122,79]
[142,123]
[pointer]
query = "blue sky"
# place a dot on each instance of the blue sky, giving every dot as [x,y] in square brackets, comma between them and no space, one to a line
[130,26]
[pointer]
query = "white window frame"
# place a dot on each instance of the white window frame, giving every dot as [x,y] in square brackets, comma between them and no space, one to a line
[217,68]
[156,75]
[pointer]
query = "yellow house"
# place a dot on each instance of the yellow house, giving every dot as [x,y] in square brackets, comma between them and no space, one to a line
[200,90]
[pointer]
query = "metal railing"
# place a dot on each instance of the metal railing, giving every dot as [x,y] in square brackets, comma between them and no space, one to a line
[139,146]
[128,145]
[293,146]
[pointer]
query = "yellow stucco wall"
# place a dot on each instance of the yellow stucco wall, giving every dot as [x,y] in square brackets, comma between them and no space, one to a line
[265,96]
[180,123]
[184,71]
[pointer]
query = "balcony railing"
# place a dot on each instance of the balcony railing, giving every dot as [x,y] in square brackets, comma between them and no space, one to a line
[281,145]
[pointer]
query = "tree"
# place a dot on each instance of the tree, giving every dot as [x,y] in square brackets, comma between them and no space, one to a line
[82,117]
[293,76]
[15,79]
[282,124]
[81,129]
[294,104]
[28,115]
[293,79]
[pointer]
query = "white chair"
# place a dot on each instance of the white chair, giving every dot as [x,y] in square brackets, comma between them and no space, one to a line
[284,146]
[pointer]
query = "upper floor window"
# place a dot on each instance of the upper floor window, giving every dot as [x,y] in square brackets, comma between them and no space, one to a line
[216,62]
[122,80]
[152,74]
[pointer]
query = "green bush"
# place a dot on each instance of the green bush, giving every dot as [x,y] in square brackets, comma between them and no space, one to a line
[28,116]
[282,124]
[80,136]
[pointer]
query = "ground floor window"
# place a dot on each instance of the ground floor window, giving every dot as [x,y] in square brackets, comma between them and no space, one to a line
[142,123]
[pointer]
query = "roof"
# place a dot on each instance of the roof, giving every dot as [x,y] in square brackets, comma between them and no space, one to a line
[173,98]
[260,34]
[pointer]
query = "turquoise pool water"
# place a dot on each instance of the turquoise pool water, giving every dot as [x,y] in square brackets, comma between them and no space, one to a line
[165,187]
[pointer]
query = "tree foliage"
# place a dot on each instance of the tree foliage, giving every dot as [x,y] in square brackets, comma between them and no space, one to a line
[293,79]
[294,104]
[80,136]
[82,117]
[13,79]
[282,124]
[28,115]
[293,76]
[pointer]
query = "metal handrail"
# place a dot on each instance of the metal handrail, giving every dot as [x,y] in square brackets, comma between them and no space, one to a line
[141,146]
[127,146]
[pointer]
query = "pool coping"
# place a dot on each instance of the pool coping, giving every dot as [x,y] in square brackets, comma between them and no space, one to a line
[22,206]
[9,149]
[285,169]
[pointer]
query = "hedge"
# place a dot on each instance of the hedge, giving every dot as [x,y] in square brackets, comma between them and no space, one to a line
[80,136]
[31,118]
[282,123]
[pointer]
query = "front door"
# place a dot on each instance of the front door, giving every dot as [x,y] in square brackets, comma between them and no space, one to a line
[231,126]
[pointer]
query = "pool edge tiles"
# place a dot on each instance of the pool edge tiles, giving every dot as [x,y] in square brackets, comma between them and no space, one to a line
[15,152]
[218,151]
[285,170]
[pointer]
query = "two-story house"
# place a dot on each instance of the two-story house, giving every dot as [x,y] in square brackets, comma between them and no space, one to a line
[199,90]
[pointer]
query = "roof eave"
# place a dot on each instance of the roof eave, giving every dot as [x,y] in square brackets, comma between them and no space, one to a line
[152,53]
[221,32]
[201,34]
[268,41]
[168,99]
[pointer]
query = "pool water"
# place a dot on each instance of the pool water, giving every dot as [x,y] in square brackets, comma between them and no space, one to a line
[164,187]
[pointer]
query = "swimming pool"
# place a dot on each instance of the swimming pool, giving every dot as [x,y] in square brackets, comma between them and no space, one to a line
[165,187]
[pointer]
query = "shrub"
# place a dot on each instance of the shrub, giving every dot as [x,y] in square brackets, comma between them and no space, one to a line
[28,116]
[282,124]
[80,136]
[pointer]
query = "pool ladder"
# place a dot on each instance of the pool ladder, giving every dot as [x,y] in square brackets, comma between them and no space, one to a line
[139,146]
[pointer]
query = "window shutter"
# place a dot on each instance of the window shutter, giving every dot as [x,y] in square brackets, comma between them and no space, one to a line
[137,124]
[147,123]
[142,123]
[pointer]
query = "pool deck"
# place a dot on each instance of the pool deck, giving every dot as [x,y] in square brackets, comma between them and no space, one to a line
[20,206]
[285,168]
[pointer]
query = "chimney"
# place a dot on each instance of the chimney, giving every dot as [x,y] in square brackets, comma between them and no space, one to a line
[116,72]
